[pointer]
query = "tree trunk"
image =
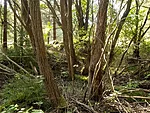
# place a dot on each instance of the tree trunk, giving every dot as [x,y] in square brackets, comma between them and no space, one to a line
[87,59]
[21,42]
[120,25]
[66,17]
[54,12]
[136,51]
[70,32]
[80,16]
[87,14]
[54,24]
[96,73]
[36,23]
[139,34]
[5,27]
[27,21]
[1,36]
[15,29]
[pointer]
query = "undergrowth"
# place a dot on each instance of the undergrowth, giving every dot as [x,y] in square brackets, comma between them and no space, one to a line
[24,92]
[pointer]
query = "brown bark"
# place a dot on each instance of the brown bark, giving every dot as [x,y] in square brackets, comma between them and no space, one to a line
[87,15]
[15,29]
[5,27]
[53,12]
[36,23]
[79,15]
[66,17]
[70,32]
[95,75]
[27,21]
[1,36]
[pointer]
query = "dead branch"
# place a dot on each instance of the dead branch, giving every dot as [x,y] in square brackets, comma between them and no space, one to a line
[139,89]
[86,107]
[6,69]
[137,97]
[17,65]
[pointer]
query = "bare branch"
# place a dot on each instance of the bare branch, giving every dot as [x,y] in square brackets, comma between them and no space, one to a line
[53,12]
[19,18]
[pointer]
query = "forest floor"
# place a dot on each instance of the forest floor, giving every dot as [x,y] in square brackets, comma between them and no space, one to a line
[74,93]
[132,92]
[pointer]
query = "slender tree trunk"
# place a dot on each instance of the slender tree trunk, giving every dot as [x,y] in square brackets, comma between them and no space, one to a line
[120,25]
[54,24]
[80,15]
[139,34]
[27,21]
[87,15]
[5,27]
[1,36]
[36,23]
[54,12]
[70,32]
[15,29]
[66,18]
[21,42]
[96,72]
[87,60]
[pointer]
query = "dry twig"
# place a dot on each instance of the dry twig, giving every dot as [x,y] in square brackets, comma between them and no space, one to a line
[86,107]
[139,97]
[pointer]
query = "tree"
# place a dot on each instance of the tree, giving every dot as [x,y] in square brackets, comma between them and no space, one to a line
[26,22]
[54,23]
[82,14]
[54,12]
[82,25]
[139,30]
[1,36]
[5,27]
[15,28]
[36,23]
[96,72]
[66,26]
[66,17]
[119,28]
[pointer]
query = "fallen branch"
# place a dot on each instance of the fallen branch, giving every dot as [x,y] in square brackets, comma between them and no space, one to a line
[85,106]
[17,65]
[7,69]
[139,89]
[138,97]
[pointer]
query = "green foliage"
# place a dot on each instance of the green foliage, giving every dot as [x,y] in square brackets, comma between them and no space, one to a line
[47,30]
[129,85]
[24,92]
[145,48]
[81,78]
[81,46]
[147,76]
[24,59]
[15,108]
[132,84]
[10,109]
[43,6]
[132,68]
